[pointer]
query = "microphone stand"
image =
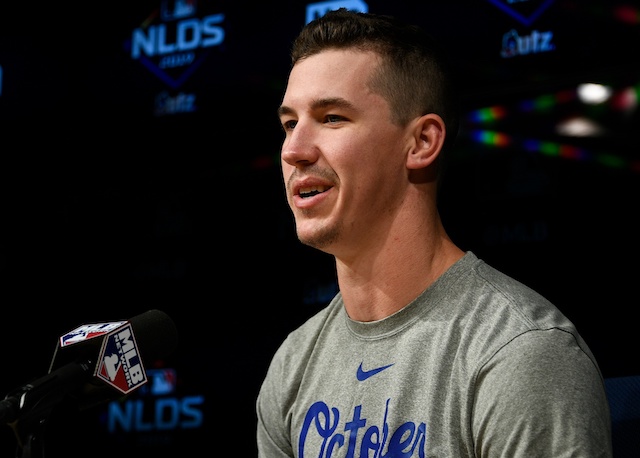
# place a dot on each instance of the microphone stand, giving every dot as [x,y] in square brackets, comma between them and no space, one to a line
[29,409]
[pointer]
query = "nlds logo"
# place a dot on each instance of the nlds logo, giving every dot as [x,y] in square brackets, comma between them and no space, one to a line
[173,41]
[156,408]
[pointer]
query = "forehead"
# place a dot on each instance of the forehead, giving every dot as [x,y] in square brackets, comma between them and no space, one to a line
[332,73]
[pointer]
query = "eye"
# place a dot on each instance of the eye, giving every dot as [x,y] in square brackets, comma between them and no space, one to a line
[332,119]
[289,125]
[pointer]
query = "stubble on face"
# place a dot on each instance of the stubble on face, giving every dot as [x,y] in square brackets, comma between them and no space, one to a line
[322,237]
[323,233]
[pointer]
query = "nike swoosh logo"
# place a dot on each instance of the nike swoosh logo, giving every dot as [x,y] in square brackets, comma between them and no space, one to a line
[362,375]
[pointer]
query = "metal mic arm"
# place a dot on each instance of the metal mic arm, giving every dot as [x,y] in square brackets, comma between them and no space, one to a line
[28,409]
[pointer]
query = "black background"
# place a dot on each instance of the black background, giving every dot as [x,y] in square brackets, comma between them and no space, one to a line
[109,210]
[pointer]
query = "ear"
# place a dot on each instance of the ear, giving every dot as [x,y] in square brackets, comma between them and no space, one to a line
[428,137]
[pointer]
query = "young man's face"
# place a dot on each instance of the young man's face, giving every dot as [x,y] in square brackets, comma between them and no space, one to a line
[343,160]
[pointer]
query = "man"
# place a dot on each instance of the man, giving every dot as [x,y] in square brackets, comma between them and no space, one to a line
[426,350]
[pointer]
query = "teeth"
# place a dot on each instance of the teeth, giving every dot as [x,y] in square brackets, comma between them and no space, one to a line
[312,190]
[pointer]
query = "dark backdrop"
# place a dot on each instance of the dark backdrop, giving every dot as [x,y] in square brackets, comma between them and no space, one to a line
[130,185]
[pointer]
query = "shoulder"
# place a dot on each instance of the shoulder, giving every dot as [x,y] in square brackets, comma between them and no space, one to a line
[500,313]
[285,372]
[287,364]
[542,355]
[482,274]
[493,292]
[547,391]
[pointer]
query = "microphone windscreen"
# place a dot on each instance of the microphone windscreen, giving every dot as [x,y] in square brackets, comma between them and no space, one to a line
[154,332]
[156,335]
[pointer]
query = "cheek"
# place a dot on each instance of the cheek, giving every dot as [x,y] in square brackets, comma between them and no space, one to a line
[286,171]
[381,149]
[381,166]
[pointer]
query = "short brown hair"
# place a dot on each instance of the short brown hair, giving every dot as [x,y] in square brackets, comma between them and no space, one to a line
[414,76]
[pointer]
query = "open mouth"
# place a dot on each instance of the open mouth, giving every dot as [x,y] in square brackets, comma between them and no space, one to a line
[312,191]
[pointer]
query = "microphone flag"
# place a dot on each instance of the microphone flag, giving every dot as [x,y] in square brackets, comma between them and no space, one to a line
[119,363]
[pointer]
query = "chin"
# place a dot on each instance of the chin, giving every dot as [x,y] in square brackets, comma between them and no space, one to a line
[321,239]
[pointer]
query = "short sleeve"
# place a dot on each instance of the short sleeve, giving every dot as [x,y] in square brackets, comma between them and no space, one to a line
[541,395]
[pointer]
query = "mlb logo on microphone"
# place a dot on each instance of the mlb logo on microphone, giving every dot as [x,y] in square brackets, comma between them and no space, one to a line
[119,363]
[88,332]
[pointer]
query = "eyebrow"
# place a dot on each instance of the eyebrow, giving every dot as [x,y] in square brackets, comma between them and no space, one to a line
[338,102]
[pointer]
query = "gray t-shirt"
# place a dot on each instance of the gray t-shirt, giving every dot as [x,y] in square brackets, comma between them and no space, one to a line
[479,365]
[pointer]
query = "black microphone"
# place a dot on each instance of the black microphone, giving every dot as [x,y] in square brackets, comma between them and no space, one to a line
[92,364]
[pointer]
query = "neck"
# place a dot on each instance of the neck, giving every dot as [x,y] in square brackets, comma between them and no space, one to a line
[380,281]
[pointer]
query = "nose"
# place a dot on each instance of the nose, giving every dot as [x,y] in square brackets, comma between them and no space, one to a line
[299,147]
